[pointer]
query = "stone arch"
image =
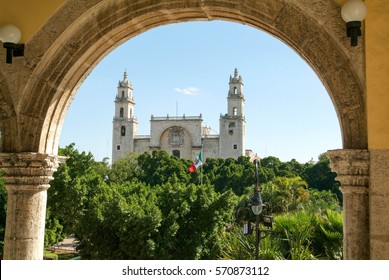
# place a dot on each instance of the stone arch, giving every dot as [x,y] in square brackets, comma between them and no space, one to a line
[80,34]
[8,118]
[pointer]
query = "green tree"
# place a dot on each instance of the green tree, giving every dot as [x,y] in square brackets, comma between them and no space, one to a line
[120,223]
[230,174]
[74,182]
[296,231]
[194,218]
[124,170]
[159,167]
[327,240]
[284,194]
[320,177]
[238,246]
[136,221]
[53,230]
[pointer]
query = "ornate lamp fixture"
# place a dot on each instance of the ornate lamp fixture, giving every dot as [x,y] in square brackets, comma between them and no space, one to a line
[10,35]
[353,13]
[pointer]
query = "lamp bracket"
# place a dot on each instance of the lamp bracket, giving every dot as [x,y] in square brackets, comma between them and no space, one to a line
[13,50]
[353,31]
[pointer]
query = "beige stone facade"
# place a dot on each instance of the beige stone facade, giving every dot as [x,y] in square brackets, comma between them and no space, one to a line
[183,136]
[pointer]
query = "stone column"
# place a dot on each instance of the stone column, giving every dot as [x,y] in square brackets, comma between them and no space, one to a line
[352,168]
[379,204]
[27,177]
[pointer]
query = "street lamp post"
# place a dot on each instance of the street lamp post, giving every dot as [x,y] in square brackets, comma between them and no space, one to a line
[256,207]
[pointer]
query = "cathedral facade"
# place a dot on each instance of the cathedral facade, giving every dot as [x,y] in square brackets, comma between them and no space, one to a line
[183,136]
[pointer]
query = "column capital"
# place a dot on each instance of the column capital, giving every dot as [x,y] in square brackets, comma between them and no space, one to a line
[352,168]
[28,170]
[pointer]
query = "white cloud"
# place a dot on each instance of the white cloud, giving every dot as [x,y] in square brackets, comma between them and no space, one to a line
[188,90]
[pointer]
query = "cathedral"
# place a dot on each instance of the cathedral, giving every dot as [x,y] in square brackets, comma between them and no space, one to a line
[184,136]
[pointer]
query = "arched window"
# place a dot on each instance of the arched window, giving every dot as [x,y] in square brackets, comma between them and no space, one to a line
[176,153]
[235,111]
[121,112]
[235,90]
[123,131]
[122,93]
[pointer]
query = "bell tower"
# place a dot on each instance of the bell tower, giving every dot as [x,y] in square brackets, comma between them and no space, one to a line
[233,124]
[125,125]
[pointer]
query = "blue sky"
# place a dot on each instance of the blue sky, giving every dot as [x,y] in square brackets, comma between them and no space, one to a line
[288,112]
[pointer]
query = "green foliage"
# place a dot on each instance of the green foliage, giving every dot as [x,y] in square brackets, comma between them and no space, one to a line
[120,223]
[310,235]
[68,196]
[50,256]
[301,235]
[134,221]
[53,230]
[230,174]
[273,165]
[319,176]
[328,236]
[124,170]
[159,168]
[284,194]
[149,206]
[238,246]
[195,217]
[296,231]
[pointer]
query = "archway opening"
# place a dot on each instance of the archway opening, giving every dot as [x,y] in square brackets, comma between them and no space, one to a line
[184,69]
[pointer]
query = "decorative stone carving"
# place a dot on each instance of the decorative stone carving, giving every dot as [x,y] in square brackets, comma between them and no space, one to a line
[28,169]
[352,168]
[27,177]
[176,136]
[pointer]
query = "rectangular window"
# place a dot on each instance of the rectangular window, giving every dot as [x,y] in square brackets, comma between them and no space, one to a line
[118,147]
[235,146]
[231,124]
[230,132]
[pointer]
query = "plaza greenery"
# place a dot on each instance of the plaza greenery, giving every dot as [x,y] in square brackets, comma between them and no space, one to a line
[149,206]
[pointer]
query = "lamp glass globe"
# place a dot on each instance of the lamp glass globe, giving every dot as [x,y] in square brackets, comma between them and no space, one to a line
[257,209]
[10,34]
[354,10]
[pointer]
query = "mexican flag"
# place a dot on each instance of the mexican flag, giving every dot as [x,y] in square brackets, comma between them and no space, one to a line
[197,163]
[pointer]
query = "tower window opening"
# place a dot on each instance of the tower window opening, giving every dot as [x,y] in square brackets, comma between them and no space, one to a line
[231,131]
[121,112]
[118,147]
[122,93]
[235,111]
[235,146]
[235,90]
[123,131]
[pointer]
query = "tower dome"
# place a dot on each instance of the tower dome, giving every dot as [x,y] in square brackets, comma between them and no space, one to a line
[125,82]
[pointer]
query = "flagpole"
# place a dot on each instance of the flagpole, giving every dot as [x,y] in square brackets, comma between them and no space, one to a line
[201,167]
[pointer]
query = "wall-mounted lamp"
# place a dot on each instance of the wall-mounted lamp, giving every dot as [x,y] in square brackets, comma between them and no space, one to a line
[10,35]
[353,13]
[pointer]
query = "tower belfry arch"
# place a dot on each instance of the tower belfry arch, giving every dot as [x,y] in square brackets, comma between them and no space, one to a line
[39,88]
